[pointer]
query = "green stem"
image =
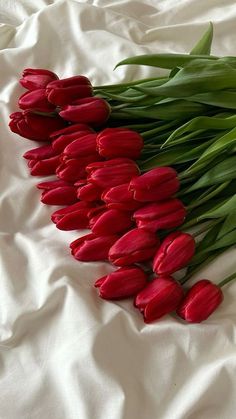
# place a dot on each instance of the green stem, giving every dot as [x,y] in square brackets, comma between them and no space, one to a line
[205,228]
[131,83]
[147,134]
[227,280]
[210,195]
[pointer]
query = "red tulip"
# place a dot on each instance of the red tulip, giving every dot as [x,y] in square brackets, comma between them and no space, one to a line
[112,172]
[161,296]
[123,283]
[34,127]
[200,301]
[92,248]
[95,213]
[60,142]
[74,169]
[119,197]
[119,142]
[89,192]
[112,221]
[59,214]
[90,110]
[36,78]
[40,153]
[52,184]
[63,195]
[44,167]
[174,253]
[160,215]
[35,100]
[135,246]
[65,91]
[81,147]
[155,185]
[74,220]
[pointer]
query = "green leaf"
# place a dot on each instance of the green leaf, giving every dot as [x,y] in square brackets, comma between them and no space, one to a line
[223,98]
[222,210]
[228,225]
[227,240]
[203,46]
[210,238]
[222,172]
[167,61]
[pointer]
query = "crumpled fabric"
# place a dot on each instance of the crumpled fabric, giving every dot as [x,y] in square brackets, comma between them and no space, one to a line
[65,353]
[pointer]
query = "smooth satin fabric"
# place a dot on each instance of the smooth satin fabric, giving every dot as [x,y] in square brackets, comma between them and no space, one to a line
[65,353]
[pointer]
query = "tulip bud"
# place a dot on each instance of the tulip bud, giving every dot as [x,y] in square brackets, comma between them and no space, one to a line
[135,246]
[34,127]
[65,91]
[92,248]
[35,100]
[36,78]
[59,214]
[74,220]
[95,213]
[90,110]
[45,167]
[174,253]
[60,142]
[81,147]
[111,222]
[123,283]
[89,192]
[155,185]
[161,215]
[119,197]
[40,153]
[119,142]
[112,172]
[200,301]
[63,195]
[161,296]
[74,169]
[52,184]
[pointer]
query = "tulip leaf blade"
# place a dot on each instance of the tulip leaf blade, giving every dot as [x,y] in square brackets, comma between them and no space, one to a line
[203,46]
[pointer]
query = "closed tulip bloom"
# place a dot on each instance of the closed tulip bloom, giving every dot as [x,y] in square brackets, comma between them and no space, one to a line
[74,169]
[34,127]
[160,215]
[95,213]
[112,172]
[61,142]
[92,248]
[155,185]
[35,100]
[200,302]
[160,297]
[121,198]
[174,253]
[65,91]
[74,220]
[37,78]
[44,167]
[40,153]
[52,184]
[63,195]
[59,214]
[89,192]
[93,111]
[71,129]
[81,147]
[135,246]
[119,142]
[112,221]
[123,283]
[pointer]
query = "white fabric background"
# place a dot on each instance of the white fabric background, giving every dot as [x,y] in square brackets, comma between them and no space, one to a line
[64,353]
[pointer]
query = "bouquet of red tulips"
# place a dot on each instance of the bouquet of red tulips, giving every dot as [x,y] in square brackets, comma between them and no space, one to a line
[126,161]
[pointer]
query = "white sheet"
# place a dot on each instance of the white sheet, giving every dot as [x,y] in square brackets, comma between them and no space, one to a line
[66,354]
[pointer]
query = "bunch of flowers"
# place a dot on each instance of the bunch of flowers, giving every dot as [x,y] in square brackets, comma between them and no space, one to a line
[112,176]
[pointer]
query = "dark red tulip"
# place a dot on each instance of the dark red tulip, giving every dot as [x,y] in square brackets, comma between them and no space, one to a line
[59,214]
[89,192]
[176,250]
[35,100]
[34,127]
[135,246]
[37,78]
[81,147]
[123,283]
[119,142]
[44,167]
[65,91]
[161,296]
[160,215]
[63,195]
[61,141]
[155,185]
[92,248]
[112,221]
[93,111]
[95,213]
[75,219]
[107,174]
[121,198]
[52,184]
[74,169]
[40,153]
[200,302]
